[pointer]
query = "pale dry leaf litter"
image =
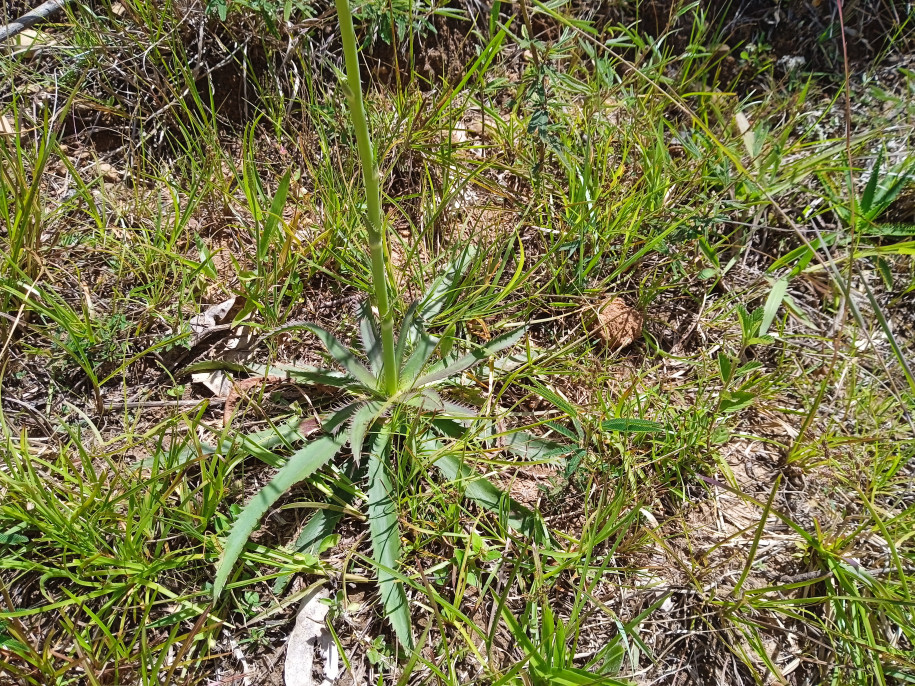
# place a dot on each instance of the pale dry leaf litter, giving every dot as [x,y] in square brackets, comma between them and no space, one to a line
[308,637]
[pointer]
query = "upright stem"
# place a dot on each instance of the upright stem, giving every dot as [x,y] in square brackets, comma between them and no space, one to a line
[372,194]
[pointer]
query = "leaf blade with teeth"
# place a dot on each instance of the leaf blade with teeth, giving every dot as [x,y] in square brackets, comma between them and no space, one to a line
[385,534]
[301,464]
[344,356]
[368,333]
[467,361]
[360,424]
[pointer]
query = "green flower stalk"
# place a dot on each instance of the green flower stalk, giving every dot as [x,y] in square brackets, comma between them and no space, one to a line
[375,224]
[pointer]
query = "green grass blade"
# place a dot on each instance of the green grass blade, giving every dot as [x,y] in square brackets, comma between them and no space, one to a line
[442,292]
[867,198]
[301,464]
[467,361]
[276,213]
[344,356]
[385,534]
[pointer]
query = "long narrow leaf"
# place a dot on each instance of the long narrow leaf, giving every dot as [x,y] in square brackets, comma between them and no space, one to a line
[424,349]
[482,492]
[301,464]
[360,424]
[321,525]
[773,302]
[532,448]
[316,375]
[442,292]
[274,215]
[408,331]
[368,332]
[344,356]
[632,426]
[385,534]
[467,361]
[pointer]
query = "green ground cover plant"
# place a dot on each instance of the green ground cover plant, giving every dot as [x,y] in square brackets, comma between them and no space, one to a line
[202,204]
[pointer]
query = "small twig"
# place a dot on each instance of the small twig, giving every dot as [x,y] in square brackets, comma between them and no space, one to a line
[142,404]
[28,19]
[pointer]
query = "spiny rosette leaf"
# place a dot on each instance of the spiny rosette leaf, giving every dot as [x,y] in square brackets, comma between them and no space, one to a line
[301,464]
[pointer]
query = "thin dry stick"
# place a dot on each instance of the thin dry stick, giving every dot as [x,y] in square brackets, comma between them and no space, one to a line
[40,13]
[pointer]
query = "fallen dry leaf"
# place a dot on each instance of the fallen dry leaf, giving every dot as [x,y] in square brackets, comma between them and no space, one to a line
[617,324]
[210,318]
[309,635]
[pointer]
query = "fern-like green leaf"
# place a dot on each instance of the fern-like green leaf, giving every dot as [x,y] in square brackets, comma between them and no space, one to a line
[385,534]
[632,426]
[301,464]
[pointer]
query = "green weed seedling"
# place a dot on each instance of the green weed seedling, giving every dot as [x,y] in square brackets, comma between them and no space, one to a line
[395,395]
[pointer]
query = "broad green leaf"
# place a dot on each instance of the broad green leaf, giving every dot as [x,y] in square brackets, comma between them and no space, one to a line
[632,426]
[481,353]
[734,401]
[773,302]
[385,535]
[360,424]
[301,464]
[529,447]
[368,332]
[344,356]
[725,367]
[12,539]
